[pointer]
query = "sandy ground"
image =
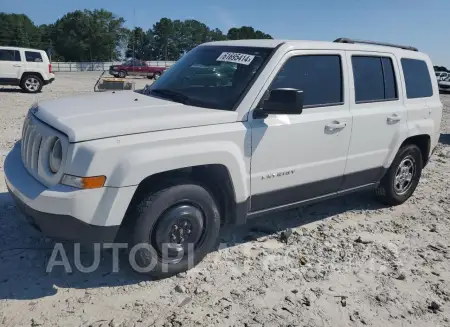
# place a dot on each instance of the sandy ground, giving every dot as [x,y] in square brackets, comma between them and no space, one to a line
[348,262]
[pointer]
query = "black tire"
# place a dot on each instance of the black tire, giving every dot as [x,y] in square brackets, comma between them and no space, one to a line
[155,215]
[31,83]
[122,74]
[388,191]
[156,75]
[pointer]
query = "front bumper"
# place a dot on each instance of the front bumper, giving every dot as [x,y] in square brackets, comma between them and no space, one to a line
[65,212]
[64,226]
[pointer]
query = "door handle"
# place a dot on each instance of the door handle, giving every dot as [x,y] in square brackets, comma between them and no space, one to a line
[17,65]
[394,118]
[335,125]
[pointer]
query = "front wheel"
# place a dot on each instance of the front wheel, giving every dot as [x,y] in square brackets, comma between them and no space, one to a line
[403,176]
[122,74]
[175,228]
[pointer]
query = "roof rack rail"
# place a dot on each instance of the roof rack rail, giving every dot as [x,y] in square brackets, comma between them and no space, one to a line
[347,40]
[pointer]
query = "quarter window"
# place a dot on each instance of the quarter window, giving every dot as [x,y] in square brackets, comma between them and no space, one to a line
[374,79]
[9,55]
[32,56]
[417,78]
[318,76]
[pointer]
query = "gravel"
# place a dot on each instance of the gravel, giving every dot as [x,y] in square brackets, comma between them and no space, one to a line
[345,262]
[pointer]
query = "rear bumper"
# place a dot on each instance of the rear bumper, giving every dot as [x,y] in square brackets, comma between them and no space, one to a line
[444,87]
[49,81]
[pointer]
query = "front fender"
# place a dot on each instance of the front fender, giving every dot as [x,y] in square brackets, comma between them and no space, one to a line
[143,163]
[128,160]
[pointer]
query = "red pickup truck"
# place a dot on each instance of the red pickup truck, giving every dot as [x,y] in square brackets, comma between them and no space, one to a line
[136,68]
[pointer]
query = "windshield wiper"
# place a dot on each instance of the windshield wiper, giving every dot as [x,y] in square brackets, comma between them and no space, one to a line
[172,95]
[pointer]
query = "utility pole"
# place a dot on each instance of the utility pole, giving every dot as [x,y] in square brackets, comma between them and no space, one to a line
[134,34]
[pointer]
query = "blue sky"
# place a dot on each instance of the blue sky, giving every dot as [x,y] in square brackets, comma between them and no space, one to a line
[422,23]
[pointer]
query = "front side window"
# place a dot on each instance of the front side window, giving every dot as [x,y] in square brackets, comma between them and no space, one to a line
[32,56]
[417,78]
[318,76]
[213,77]
[9,55]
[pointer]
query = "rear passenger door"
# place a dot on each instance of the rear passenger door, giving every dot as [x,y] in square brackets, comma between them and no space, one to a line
[379,116]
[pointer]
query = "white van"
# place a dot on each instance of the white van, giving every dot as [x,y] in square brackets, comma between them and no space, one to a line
[28,68]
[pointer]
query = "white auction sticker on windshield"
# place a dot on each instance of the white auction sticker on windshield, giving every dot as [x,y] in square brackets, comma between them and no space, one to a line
[238,58]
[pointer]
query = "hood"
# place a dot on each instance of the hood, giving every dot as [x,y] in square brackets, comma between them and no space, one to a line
[102,115]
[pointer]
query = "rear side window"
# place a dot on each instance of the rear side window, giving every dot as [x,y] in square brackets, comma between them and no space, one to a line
[32,56]
[9,55]
[374,79]
[417,78]
[318,76]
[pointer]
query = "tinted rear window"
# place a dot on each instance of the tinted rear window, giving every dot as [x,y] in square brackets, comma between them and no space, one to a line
[32,56]
[369,80]
[417,78]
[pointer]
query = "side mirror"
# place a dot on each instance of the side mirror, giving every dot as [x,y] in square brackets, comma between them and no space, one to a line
[284,101]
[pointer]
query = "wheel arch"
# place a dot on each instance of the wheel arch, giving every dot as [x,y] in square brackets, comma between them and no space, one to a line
[216,178]
[423,142]
[25,74]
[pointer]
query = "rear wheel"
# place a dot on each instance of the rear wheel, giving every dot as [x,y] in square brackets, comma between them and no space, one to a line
[175,228]
[31,84]
[403,176]
[122,74]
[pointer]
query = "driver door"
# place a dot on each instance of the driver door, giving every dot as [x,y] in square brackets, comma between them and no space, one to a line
[297,157]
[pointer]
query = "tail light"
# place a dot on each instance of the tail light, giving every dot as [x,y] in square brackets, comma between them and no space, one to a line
[50,68]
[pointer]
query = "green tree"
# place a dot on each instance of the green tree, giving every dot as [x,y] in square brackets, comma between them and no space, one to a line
[99,35]
[246,32]
[18,30]
[88,35]
[164,32]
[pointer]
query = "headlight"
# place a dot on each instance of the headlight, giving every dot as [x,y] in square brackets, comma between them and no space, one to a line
[55,156]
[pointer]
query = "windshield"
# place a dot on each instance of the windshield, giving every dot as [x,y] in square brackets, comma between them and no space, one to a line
[211,76]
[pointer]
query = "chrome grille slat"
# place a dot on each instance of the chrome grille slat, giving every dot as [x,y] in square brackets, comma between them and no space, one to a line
[35,151]
[26,125]
[29,148]
[25,142]
[37,138]
[31,144]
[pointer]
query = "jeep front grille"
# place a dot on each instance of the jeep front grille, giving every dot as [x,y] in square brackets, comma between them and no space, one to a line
[31,143]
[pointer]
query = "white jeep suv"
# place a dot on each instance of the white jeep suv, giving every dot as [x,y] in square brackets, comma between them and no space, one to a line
[295,122]
[28,68]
